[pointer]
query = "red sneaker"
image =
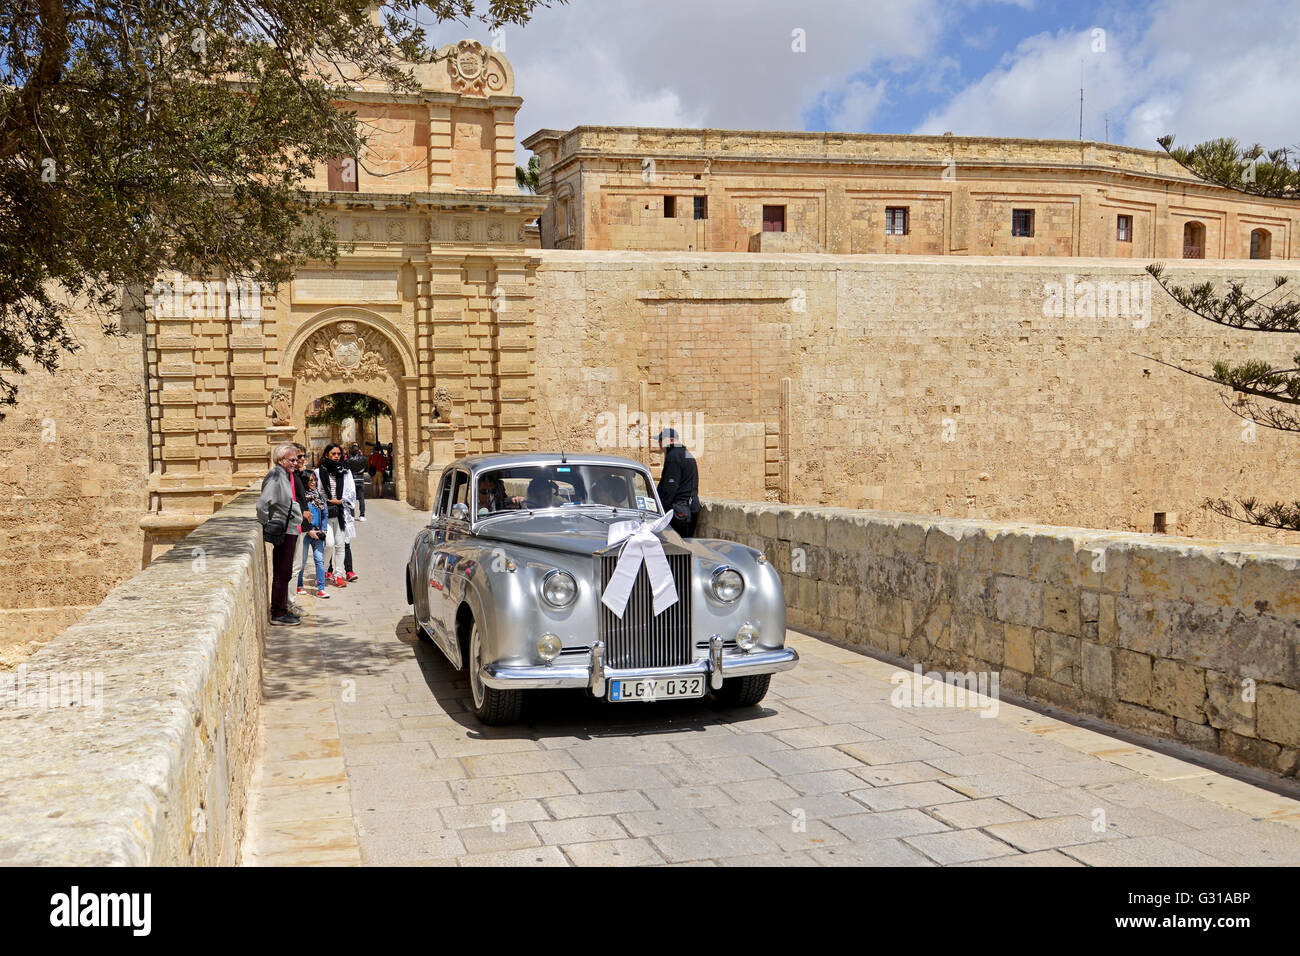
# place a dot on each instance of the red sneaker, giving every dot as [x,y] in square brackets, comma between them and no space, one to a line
[352,576]
[339,582]
[320,592]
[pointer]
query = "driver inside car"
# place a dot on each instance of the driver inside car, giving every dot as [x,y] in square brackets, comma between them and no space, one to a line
[541,494]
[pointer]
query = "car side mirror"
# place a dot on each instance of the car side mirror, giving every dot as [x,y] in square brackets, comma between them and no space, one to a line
[460,511]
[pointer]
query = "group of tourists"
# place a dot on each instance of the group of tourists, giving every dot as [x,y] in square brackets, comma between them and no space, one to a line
[306,511]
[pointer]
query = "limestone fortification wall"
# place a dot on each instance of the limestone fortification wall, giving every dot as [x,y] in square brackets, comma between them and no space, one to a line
[129,739]
[73,478]
[1166,636]
[954,386]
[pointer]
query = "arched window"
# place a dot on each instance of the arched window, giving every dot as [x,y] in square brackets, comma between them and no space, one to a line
[1261,244]
[1194,240]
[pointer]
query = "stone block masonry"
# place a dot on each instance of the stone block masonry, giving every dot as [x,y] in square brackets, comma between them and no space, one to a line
[129,738]
[1181,639]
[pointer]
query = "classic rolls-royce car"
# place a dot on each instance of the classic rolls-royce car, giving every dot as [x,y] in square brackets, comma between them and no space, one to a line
[560,570]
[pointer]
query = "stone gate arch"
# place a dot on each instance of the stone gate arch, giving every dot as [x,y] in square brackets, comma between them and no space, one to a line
[354,350]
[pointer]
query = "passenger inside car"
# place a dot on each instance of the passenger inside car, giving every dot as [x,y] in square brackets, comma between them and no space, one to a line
[611,490]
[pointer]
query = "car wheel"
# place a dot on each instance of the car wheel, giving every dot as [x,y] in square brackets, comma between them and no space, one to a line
[742,691]
[491,706]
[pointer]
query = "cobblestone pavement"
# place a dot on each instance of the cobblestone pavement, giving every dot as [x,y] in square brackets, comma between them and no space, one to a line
[368,755]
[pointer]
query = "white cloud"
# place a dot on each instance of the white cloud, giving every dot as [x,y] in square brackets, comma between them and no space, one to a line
[698,63]
[1195,68]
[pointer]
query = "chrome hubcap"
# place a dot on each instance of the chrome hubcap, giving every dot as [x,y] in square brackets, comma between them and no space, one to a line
[475,659]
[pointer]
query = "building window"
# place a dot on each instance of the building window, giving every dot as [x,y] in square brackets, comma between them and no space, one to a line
[896,223]
[1159,525]
[701,207]
[670,207]
[1123,228]
[1193,240]
[1022,222]
[774,219]
[342,174]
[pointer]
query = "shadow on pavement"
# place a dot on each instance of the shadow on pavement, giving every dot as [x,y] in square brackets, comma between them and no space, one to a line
[564,713]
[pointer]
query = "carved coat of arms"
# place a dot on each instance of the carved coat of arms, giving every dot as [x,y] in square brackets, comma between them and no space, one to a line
[346,356]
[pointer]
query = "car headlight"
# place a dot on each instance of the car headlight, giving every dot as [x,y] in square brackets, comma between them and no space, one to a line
[726,584]
[559,588]
[747,636]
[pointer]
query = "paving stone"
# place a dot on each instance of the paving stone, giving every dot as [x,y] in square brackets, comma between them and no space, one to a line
[788,763]
[720,771]
[958,846]
[865,827]
[613,853]
[767,788]
[821,806]
[619,778]
[536,856]
[998,784]
[877,853]
[1141,851]
[886,775]
[515,787]
[1040,858]
[824,735]
[712,844]
[976,813]
[755,815]
[688,797]
[1078,773]
[489,839]
[771,859]
[597,804]
[1255,844]
[804,835]
[1052,833]
[825,781]
[928,793]
[896,751]
[522,762]
[653,822]
[580,830]
[458,817]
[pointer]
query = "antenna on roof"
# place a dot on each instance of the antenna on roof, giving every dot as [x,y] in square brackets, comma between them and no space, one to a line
[559,443]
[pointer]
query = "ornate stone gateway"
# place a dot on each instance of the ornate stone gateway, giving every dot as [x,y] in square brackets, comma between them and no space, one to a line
[427,309]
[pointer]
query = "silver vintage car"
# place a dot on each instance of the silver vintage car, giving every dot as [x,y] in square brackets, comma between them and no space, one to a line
[559,570]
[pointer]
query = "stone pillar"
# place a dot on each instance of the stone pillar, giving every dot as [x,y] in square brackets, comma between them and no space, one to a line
[503,147]
[515,378]
[440,136]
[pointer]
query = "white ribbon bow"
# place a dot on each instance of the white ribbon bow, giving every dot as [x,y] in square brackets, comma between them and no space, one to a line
[640,543]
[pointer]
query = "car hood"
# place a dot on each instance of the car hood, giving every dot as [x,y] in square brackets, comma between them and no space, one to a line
[578,531]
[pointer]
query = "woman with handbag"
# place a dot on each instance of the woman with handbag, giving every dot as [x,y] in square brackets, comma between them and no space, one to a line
[338,488]
[316,535]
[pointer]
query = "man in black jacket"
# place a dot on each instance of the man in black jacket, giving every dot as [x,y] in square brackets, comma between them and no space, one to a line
[357,465]
[679,483]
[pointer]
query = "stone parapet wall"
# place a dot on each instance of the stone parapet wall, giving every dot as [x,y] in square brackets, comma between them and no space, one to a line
[129,739]
[1190,640]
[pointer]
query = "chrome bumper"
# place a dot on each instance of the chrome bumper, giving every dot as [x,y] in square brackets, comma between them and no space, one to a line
[593,674]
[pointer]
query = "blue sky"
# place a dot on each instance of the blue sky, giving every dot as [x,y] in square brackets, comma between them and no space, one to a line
[1194,68]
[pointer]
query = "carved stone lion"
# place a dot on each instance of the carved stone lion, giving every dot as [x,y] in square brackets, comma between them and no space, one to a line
[280,406]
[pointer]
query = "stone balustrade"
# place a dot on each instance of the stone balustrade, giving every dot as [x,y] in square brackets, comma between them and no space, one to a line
[129,738]
[1179,638]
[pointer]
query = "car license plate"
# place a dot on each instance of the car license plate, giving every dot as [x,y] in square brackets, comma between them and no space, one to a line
[670,688]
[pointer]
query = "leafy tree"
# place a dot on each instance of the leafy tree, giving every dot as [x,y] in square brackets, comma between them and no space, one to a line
[1268,395]
[528,178]
[143,136]
[337,408]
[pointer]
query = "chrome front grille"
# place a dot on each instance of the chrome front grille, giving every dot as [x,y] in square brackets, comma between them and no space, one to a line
[640,638]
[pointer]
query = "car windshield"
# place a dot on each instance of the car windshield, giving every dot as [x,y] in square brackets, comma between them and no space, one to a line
[527,487]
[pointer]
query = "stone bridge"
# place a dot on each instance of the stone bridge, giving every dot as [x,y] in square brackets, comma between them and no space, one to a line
[362,750]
